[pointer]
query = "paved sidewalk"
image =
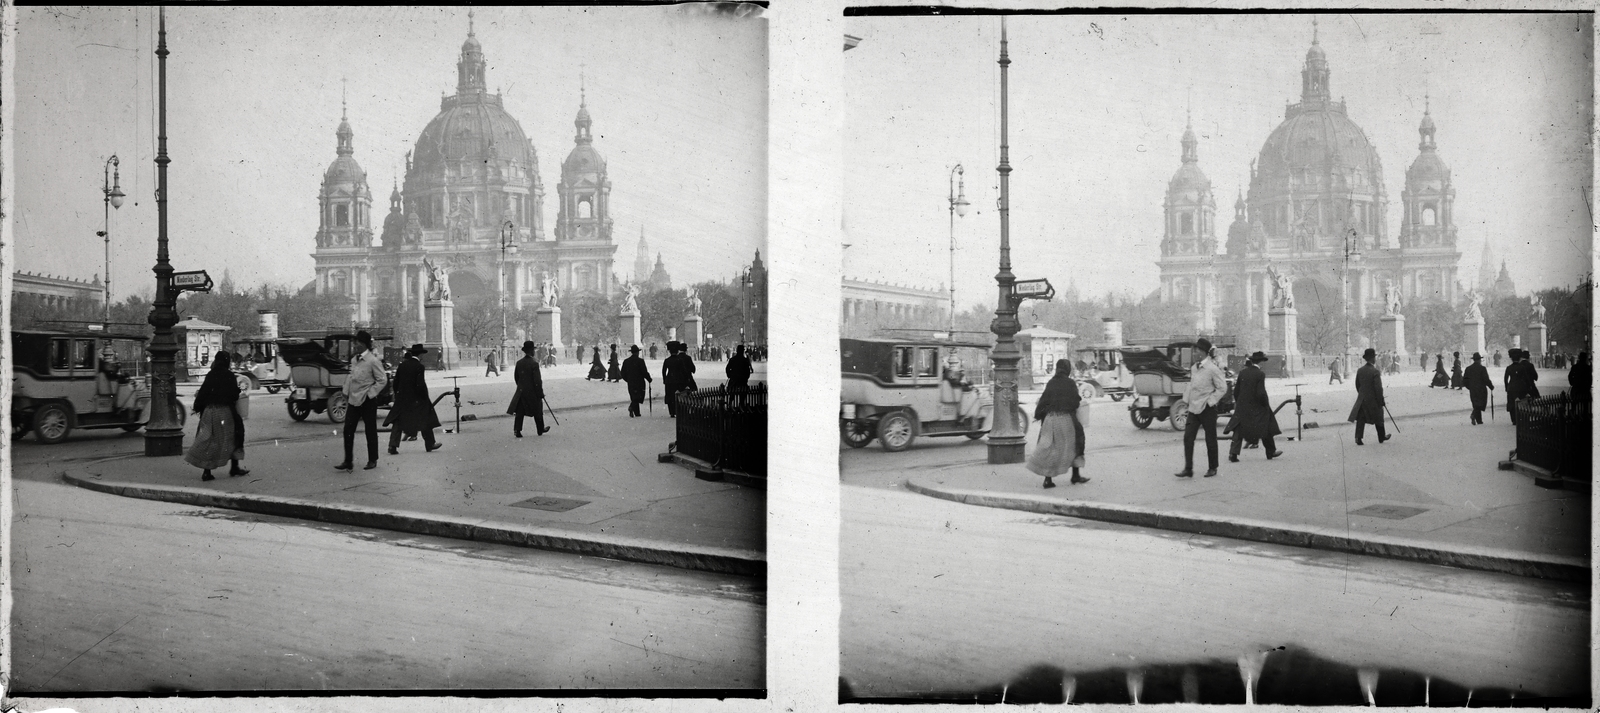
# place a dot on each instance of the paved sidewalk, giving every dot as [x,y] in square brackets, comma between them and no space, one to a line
[1431,494]
[590,486]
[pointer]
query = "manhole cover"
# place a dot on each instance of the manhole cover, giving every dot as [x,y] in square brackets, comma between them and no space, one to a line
[380,488]
[551,504]
[1389,512]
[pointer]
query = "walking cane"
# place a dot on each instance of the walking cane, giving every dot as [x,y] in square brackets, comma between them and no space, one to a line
[652,398]
[551,408]
[1395,423]
[1491,405]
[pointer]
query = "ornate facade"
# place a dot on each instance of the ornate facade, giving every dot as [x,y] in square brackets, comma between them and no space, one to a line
[1316,184]
[471,184]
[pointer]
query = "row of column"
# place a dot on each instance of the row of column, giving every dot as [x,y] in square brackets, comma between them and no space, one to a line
[857,308]
[51,301]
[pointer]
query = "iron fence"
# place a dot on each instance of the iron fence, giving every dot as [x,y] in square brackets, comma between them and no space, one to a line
[725,428]
[1553,433]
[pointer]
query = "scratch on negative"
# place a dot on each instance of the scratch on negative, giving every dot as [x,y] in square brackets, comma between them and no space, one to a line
[648,651]
[91,648]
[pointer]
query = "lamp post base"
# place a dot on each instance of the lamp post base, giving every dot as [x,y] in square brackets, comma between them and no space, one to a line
[163,442]
[1007,450]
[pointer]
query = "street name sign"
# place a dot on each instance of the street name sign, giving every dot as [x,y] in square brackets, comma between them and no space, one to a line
[1039,289]
[194,280]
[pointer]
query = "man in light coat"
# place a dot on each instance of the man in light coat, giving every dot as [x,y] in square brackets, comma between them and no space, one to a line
[1207,386]
[361,387]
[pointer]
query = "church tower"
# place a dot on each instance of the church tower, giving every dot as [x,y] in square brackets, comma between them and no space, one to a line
[1428,226]
[1191,209]
[344,224]
[659,279]
[641,260]
[584,196]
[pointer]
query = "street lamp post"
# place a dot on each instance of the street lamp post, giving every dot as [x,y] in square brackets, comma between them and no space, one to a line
[1352,249]
[113,199]
[958,206]
[745,287]
[1007,444]
[508,236]
[163,435]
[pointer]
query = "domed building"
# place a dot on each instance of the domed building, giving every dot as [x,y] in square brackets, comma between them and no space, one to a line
[1317,183]
[471,182]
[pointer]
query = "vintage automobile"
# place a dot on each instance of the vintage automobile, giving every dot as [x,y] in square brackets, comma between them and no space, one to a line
[263,366]
[1101,370]
[318,364]
[896,389]
[1160,378]
[66,378]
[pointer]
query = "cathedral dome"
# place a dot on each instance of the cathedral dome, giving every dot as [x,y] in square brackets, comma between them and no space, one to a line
[1317,143]
[344,169]
[473,128]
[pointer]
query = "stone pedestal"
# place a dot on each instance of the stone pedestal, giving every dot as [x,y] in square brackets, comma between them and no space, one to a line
[1283,340]
[439,335]
[693,331]
[1537,342]
[1392,335]
[1472,337]
[628,330]
[547,326]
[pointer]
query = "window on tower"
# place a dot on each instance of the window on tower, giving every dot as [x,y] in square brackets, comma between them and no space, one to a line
[341,215]
[1186,224]
[585,208]
[1429,215]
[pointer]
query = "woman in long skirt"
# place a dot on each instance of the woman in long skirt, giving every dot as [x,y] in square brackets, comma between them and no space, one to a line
[1455,372]
[596,369]
[1060,445]
[614,372]
[219,438]
[1440,378]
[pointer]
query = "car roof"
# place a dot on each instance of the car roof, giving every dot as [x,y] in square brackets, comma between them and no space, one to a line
[85,333]
[913,342]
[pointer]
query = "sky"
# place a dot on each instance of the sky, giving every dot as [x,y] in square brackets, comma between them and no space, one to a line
[678,98]
[1097,109]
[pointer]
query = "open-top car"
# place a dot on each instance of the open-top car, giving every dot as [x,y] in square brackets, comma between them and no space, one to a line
[319,363]
[1104,369]
[83,376]
[262,365]
[897,389]
[1160,378]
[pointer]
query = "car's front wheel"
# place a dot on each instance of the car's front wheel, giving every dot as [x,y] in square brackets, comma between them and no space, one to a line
[1179,415]
[338,407]
[52,423]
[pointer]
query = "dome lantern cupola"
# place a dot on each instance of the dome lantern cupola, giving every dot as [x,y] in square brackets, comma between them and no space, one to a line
[470,68]
[1314,76]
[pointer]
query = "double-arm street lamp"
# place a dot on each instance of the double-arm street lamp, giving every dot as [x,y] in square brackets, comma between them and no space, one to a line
[1352,250]
[113,193]
[958,206]
[508,244]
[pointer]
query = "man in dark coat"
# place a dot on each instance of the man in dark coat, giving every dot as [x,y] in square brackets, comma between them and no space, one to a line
[412,410]
[1478,385]
[1252,411]
[529,399]
[1369,399]
[1520,378]
[739,370]
[652,350]
[637,375]
[677,374]
[1497,357]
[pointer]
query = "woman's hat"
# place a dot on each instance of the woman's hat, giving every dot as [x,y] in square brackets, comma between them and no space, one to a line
[1256,358]
[529,346]
[416,349]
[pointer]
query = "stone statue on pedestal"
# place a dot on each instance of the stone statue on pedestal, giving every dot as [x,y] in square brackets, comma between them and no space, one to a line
[438,288]
[549,291]
[694,303]
[1536,316]
[1474,306]
[1282,289]
[1391,300]
[630,298]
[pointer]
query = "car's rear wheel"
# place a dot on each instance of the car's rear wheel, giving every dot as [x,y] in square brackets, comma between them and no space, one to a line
[298,410]
[273,389]
[52,423]
[338,407]
[1179,415]
[1116,396]
[896,431]
[856,434]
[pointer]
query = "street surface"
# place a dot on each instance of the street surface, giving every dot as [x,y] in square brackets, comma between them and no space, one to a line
[121,594]
[943,596]
[940,596]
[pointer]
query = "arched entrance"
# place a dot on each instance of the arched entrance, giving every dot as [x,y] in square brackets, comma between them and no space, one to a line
[466,284]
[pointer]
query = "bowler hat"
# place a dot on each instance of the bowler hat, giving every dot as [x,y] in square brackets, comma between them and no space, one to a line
[416,349]
[529,346]
[1203,344]
[364,338]
[1477,357]
[1257,358]
[1369,354]
[633,348]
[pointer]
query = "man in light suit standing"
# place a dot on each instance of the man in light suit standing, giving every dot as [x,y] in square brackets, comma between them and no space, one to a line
[1207,386]
[365,382]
